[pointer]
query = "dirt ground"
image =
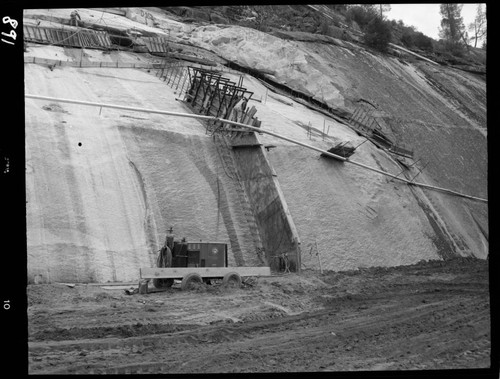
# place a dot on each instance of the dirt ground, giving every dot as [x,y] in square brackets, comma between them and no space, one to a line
[431,315]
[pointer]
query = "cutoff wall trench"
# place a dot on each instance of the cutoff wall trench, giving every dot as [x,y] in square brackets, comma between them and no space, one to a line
[277,229]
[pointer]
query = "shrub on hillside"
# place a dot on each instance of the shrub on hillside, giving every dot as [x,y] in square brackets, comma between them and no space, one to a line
[232,12]
[323,28]
[407,39]
[378,34]
[423,42]
[341,8]
[446,48]
[416,39]
[360,15]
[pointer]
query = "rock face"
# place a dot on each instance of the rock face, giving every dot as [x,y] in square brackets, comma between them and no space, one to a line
[103,186]
[439,112]
[350,218]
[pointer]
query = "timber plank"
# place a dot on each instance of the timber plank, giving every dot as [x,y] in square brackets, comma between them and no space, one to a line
[43,36]
[27,32]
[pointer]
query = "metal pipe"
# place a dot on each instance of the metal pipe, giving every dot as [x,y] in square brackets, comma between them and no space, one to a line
[259,130]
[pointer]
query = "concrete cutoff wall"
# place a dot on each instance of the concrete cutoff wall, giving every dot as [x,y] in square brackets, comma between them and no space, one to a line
[277,229]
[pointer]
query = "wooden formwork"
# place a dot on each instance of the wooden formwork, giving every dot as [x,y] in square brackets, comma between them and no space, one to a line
[68,37]
[209,93]
[156,45]
[366,124]
[401,151]
[363,121]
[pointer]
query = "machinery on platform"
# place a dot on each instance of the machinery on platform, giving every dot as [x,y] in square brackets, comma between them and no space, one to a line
[195,263]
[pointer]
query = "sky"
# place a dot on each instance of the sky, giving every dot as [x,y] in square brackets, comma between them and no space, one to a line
[426,17]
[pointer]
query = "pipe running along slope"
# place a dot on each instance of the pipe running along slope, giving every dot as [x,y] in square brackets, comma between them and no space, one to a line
[212,118]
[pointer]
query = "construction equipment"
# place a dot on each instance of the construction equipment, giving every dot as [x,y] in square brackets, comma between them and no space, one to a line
[195,263]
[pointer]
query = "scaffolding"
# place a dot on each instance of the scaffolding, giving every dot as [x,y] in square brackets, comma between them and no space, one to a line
[211,94]
[367,125]
[156,45]
[67,37]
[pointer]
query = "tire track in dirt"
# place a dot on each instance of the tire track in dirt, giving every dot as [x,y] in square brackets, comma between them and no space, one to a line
[144,315]
[204,334]
[431,315]
[440,311]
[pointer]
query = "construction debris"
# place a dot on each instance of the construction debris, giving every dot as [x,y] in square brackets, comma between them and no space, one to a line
[70,285]
[344,149]
[54,108]
[249,281]
[132,291]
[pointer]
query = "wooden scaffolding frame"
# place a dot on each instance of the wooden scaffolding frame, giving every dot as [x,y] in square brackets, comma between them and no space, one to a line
[211,94]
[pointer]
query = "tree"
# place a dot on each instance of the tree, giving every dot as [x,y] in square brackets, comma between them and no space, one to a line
[369,7]
[338,7]
[407,39]
[422,41]
[378,34]
[452,24]
[384,8]
[361,14]
[478,27]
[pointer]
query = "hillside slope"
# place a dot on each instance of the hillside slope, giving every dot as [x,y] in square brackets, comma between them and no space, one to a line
[103,186]
[98,211]
[438,112]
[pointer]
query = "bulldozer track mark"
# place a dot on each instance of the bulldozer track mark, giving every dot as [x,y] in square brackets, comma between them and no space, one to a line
[140,368]
[342,327]
[75,330]
[213,333]
[430,315]
[192,336]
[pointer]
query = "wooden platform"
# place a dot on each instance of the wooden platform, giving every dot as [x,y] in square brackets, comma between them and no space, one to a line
[204,272]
